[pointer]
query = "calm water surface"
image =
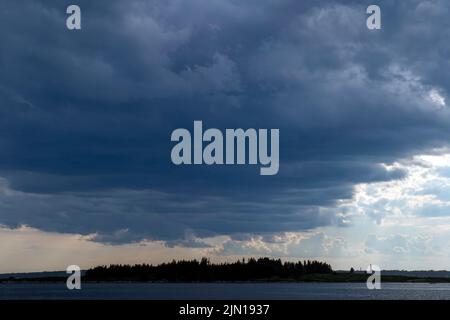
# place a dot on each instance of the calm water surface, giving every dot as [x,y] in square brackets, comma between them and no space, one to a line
[226,291]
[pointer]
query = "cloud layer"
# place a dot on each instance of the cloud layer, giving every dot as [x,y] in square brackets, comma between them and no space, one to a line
[86,117]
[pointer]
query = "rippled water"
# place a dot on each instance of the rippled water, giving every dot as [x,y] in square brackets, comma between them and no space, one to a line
[226,291]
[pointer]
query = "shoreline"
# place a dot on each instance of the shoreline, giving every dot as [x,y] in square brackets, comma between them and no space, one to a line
[387,279]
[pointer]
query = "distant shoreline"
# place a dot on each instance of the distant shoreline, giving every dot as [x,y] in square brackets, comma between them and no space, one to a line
[319,278]
[261,270]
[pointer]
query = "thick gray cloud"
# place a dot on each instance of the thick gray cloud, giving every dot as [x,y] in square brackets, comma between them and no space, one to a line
[86,116]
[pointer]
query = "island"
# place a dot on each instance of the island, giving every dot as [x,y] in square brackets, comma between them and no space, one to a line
[250,270]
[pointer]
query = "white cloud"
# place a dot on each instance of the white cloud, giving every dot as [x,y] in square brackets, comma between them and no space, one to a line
[436,98]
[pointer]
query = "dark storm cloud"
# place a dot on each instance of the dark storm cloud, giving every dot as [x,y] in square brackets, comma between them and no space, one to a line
[86,116]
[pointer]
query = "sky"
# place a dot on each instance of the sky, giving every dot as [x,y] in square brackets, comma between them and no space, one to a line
[86,118]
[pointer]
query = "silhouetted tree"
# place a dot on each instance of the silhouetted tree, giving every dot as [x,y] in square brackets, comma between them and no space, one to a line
[204,270]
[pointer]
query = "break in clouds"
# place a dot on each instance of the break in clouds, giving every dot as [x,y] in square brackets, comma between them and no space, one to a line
[86,116]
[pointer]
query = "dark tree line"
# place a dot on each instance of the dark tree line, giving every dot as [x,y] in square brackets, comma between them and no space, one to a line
[204,270]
